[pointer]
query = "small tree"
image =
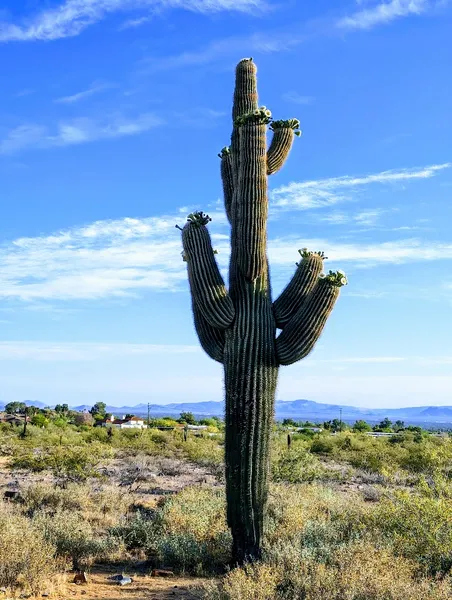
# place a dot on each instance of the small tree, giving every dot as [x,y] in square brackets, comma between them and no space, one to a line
[399,426]
[98,411]
[289,423]
[384,425]
[361,426]
[187,417]
[13,408]
[338,425]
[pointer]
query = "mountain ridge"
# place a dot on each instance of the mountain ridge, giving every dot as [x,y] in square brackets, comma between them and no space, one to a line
[296,409]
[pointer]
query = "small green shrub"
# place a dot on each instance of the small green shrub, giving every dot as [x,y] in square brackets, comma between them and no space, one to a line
[295,465]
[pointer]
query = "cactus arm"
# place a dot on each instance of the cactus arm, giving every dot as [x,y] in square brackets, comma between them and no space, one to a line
[302,283]
[206,283]
[227,177]
[281,144]
[300,335]
[211,339]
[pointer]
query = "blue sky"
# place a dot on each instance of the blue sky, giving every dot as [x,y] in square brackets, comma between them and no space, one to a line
[112,115]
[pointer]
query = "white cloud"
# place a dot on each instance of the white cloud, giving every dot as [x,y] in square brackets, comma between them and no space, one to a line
[125,257]
[383,13]
[363,218]
[84,351]
[283,251]
[71,17]
[327,192]
[95,88]
[77,131]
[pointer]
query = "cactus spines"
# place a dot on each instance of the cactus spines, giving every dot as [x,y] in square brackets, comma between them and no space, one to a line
[239,327]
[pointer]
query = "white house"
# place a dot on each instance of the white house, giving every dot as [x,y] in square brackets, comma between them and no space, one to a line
[124,423]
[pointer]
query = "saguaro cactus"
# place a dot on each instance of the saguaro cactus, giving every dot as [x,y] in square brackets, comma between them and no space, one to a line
[239,328]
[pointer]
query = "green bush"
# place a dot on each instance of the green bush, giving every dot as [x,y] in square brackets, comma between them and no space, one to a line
[295,465]
[66,464]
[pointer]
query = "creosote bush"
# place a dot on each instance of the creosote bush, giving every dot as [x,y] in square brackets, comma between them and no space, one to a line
[357,572]
[75,539]
[27,560]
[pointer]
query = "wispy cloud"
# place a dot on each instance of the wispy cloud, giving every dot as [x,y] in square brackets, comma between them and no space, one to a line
[368,218]
[77,131]
[71,17]
[327,192]
[288,38]
[297,98]
[95,88]
[384,12]
[68,351]
[282,251]
[24,92]
[265,43]
[128,257]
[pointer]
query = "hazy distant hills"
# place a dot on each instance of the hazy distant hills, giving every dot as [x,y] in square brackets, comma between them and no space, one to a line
[296,409]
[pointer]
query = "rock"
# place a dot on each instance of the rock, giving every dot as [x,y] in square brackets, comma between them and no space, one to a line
[121,579]
[162,573]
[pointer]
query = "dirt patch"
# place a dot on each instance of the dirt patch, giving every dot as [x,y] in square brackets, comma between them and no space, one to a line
[100,587]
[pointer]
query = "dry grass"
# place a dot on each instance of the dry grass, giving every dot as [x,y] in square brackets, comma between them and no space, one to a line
[26,559]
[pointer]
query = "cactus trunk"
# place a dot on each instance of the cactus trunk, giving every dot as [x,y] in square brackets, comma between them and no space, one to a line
[251,370]
[238,327]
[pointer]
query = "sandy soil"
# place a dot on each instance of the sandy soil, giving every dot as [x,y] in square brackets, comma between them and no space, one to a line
[142,587]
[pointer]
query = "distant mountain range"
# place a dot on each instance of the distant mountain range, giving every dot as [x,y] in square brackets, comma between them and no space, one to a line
[295,409]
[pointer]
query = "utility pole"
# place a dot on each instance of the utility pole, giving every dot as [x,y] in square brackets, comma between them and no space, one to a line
[149,410]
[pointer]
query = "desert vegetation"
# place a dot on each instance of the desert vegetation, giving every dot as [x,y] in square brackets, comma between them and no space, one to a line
[349,515]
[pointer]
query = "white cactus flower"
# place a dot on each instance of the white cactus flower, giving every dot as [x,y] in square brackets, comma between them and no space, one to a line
[256,112]
[268,113]
[343,281]
[322,276]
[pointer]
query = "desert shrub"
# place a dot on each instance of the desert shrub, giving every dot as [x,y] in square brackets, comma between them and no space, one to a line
[204,451]
[358,572]
[138,531]
[74,538]
[427,455]
[41,496]
[419,526]
[67,464]
[252,582]
[323,444]
[187,531]
[26,559]
[102,507]
[295,465]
